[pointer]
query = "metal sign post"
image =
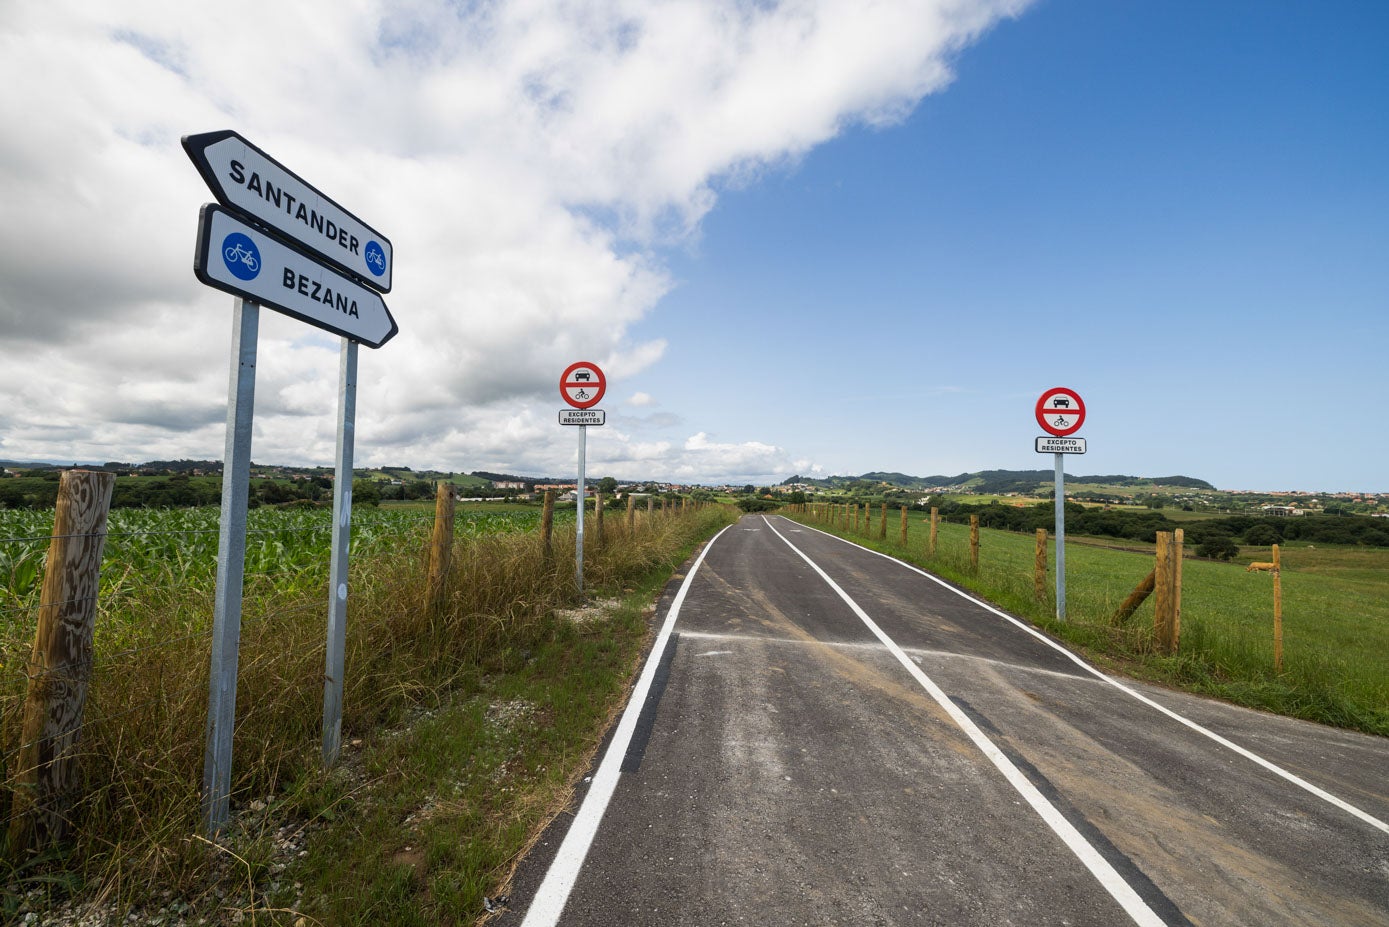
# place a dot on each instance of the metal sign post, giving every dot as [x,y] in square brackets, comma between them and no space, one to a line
[581,385]
[231,568]
[1060,412]
[1060,537]
[324,266]
[580,509]
[337,572]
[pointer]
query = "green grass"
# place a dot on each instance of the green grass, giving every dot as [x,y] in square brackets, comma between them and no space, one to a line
[477,780]
[1335,616]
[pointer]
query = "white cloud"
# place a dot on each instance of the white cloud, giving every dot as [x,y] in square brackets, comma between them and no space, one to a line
[641,399]
[527,160]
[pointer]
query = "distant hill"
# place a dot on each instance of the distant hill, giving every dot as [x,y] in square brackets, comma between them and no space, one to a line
[994,481]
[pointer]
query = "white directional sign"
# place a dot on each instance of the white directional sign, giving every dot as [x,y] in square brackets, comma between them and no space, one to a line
[249,181]
[1060,445]
[583,417]
[244,261]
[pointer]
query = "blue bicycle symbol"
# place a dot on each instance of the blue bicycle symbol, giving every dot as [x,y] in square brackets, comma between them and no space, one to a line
[376,258]
[241,255]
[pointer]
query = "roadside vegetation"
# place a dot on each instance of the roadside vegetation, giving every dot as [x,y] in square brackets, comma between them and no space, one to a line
[464,725]
[1335,613]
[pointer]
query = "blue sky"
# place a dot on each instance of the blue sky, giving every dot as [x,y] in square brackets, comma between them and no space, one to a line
[820,237]
[1179,209]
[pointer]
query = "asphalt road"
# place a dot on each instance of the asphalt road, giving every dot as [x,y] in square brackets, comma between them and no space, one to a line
[824,735]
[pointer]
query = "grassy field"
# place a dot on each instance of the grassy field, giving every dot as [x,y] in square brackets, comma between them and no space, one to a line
[1335,616]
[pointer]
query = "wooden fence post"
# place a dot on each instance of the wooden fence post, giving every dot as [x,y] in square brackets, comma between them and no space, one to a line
[1039,566]
[858,518]
[1277,611]
[902,536]
[1178,537]
[974,542]
[650,507]
[882,522]
[631,513]
[935,523]
[441,545]
[1136,598]
[61,662]
[547,524]
[1162,593]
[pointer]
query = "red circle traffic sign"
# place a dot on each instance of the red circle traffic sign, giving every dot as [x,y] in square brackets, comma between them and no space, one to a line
[1060,411]
[582,384]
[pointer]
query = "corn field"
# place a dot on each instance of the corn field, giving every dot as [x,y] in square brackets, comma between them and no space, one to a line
[142,735]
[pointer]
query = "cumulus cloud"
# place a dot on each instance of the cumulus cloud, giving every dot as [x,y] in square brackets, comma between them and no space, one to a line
[528,160]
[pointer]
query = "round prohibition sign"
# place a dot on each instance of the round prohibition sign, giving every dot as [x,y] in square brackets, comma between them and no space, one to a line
[1060,411]
[582,384]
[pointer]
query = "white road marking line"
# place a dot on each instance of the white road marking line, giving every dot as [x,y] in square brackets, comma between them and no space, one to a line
[879,648]
[1099,867]
[549,901]
[1182,719]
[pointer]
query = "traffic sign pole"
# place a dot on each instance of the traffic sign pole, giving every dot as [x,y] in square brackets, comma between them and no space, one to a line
[231,570]
[1060,537]
[342,534]
[579,507]
[1061,412]
[582,385]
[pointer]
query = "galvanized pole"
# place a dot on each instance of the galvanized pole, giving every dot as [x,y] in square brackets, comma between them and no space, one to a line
[1060,538]
[579,529]
[231,568]
[337,570]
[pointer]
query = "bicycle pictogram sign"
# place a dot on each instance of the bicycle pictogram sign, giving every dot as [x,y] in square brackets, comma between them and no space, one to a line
[582,385]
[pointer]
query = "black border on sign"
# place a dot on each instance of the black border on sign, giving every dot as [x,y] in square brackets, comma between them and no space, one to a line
[1040,438]
[602,412]
[200,262]
[196,146]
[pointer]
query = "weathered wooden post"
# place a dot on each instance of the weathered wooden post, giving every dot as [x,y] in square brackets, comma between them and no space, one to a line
[1039,567]
[1178,537]
[547,524]
[1135,598]
[902,534]
[1162,593]
[440,545]
[61,662]
[1277,611]
[858,517]
[974,542]
[882,522]
[935,523]
[631,514]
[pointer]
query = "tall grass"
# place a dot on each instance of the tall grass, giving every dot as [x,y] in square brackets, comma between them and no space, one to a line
[143,735]
[1335,617]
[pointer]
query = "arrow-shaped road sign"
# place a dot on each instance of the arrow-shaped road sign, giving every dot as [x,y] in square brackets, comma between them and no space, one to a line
[250,182]
[243,260]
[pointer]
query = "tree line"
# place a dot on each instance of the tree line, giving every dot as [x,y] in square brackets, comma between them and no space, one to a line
[1214,537]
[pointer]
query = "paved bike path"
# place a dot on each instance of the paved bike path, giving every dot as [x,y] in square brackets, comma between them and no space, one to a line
[794,772]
